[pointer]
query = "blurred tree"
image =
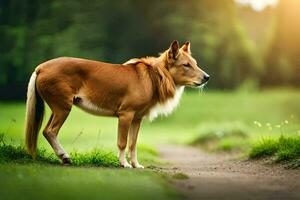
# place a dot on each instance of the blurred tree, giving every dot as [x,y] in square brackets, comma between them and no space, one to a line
[283,54]
[33,31]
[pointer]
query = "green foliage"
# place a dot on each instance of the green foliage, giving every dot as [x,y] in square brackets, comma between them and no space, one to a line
[10,153]
[267,147]
[212,108]
[95,158]
[17,154]
[218,131]
[198,112]
[114,32]
[222,136]
[282,50]
[39,181]
[284,149]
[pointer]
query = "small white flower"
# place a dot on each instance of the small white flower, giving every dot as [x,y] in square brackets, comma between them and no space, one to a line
[259,124]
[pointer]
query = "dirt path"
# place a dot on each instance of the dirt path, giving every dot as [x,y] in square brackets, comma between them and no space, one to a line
[223,177]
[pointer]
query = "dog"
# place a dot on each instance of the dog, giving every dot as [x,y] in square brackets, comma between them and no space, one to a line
[140,87]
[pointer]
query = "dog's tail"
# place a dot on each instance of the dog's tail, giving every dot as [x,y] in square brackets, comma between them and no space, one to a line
[35,109]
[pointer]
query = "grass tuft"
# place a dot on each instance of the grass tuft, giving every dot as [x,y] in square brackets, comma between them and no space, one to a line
[265,148]
[95,158]
[222,137]
[18,154]
[10,153]
[284,149]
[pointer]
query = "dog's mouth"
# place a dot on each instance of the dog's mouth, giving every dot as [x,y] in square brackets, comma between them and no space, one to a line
[196,84]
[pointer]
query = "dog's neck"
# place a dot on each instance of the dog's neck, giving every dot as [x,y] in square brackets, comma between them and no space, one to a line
[163,82]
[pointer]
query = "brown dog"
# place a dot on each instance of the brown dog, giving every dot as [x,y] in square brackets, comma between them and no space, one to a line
[140,87]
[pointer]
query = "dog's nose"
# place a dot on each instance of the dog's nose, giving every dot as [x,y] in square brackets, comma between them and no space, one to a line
[206,77]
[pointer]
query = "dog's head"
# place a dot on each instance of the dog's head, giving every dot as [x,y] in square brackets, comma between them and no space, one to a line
[183,67]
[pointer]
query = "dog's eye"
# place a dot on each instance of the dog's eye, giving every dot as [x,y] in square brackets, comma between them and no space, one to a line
[187,65]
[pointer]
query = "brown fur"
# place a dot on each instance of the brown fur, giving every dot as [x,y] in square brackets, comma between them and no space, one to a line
[127,91]
[162,81]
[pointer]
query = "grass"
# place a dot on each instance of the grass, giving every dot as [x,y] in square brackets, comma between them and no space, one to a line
[11,153]
[227,136]
[285,149]
[233,145]
[92,143]
[93,175]
[35,181]
[195,110]
[242,119]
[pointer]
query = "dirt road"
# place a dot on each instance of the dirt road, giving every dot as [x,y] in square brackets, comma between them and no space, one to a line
[225,177]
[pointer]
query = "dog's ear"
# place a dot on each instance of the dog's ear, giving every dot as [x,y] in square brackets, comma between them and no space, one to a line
[186,47]
[174,50]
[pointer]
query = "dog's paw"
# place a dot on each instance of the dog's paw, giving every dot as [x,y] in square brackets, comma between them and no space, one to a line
[125,165]
[137,165]
[66,161]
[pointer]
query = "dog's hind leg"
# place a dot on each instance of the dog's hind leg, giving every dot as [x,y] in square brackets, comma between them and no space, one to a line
[51,130]
[125,120]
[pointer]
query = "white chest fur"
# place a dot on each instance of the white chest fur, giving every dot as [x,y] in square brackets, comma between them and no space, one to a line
[89,107]
[167,107]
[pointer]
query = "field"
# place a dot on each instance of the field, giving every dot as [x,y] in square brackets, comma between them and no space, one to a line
[218,121]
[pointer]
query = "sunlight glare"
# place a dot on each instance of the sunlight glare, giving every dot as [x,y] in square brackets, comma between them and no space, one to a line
[258,5]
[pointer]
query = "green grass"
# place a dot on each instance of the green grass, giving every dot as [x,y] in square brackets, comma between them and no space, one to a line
[227,136]
[198,113]
[240,119]
[12,153]
[43,177]
[35,181]
[232,145]
[83,131]
[285,149]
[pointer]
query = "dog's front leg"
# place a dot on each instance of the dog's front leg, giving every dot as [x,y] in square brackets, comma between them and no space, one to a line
[133,134]
[125,120]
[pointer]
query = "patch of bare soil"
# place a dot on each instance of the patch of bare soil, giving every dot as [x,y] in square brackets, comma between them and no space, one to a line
[214,176]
